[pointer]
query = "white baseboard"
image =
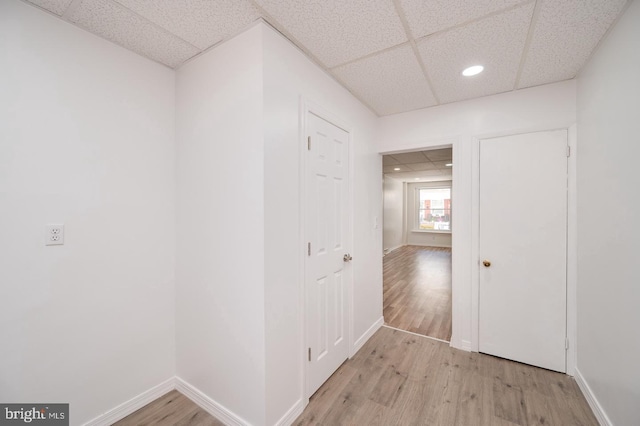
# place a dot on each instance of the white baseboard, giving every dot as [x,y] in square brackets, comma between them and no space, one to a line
[291,415]
[602,417]
[416,334]
[465,345]
[430,245]
[367,335]
[387,251]
[134,404]
[212,407]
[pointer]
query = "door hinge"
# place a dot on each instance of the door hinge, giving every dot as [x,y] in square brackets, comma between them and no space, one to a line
[309,354]
[308,249]
[566,344]
[308,143]
[568,151]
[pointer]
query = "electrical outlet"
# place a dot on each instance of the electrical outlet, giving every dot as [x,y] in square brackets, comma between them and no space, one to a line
[54,235]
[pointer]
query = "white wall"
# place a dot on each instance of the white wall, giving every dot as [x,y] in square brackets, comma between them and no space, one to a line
[421,238]
[539,108]
[608,212]
[393,200]
[290,76]
[238,317]
[220,225]
[87,140]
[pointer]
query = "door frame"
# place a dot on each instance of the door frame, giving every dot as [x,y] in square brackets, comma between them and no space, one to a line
[458,317]
[310,107]
[572,267]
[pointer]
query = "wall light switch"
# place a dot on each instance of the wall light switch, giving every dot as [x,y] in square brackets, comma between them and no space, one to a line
[54,234]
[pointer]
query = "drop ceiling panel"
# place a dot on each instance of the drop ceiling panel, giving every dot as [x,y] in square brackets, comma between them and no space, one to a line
[401,167]
[418,167]
[564,35]
[120,25]
[388,160]
[55,6]
[338,31]
[412,175]
[497,42]
[202,23]
[389,82]
[411,170]
[439,154]
[410,158]
[390,169]
[432,173]
[430,16]
[363,43]
[442,164]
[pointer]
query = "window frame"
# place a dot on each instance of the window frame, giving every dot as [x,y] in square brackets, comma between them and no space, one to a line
[417,209]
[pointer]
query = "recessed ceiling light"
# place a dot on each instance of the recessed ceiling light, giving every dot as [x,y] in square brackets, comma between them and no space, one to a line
[396,169]
[448,164]
[476,69]
[417,178]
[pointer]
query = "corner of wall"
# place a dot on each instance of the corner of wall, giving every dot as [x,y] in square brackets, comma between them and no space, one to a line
[593,402]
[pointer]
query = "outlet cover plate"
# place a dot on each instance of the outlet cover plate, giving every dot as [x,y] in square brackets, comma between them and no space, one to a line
[54,234]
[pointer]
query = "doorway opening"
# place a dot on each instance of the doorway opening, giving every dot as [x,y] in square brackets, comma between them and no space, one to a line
[418,225]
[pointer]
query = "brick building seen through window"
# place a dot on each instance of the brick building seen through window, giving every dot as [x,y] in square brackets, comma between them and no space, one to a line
[434,209]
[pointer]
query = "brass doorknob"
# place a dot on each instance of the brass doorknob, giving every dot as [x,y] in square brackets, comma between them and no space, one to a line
[486,263]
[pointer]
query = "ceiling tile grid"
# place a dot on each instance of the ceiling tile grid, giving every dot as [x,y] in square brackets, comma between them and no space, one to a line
[431,176]
[389,82]
[388,169]
[339,31]
[202,23]
[439,154]
[419,165]
[442,164]
[394,55]
[410,157]
[496,42]
[429,16]
[565,34]
[388,160]
[118,24]
[54,6]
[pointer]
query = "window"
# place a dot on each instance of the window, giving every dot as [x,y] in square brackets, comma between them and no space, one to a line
[434,209]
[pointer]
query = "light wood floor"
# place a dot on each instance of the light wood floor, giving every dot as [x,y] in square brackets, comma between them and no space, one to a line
[169,410]
[417,290]
[399,378]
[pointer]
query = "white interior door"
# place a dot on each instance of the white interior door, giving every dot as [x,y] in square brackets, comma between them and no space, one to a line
[523,234]
[327,271]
